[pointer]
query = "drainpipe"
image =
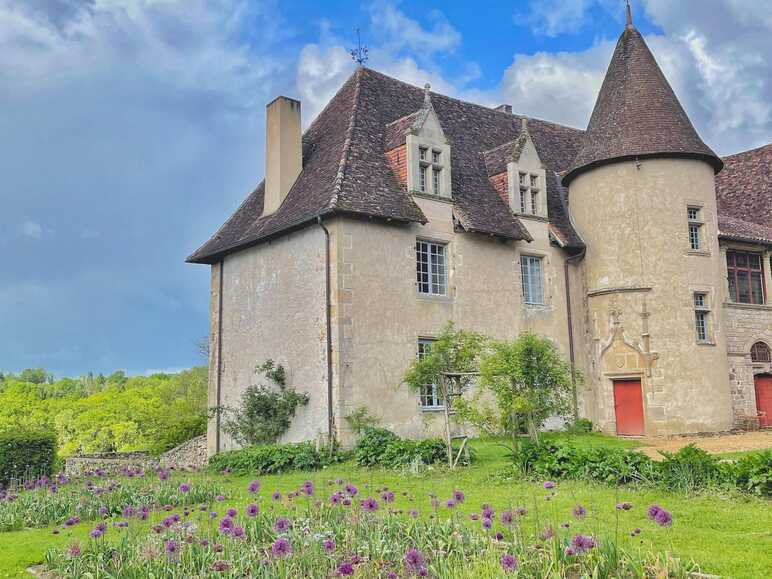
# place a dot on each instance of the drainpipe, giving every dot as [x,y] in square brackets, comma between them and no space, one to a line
[328,300]
[573,259]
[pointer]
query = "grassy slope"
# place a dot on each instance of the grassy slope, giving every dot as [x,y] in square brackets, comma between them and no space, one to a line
[727,536]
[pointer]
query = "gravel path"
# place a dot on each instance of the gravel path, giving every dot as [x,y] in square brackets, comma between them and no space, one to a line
[757,440]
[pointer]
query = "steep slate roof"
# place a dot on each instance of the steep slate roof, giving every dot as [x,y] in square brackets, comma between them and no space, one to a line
[345,169]
[637,114]
[744,194]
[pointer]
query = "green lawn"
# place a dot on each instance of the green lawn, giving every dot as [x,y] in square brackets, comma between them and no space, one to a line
[726,536]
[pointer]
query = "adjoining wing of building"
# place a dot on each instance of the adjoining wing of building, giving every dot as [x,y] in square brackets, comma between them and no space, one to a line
[632,245]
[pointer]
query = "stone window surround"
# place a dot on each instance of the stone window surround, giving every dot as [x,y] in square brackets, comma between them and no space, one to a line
[697,224]
[414,143]
[513,185]
[766,265]
[713,320]
[450,289]
[546,296]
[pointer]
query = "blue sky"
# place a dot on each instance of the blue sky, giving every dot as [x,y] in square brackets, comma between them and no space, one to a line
[132,128]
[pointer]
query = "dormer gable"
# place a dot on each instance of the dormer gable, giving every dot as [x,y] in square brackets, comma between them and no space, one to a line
[419,152]
[518,175]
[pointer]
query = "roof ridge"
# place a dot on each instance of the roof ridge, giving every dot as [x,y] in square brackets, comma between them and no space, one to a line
[341,174]
[753,150]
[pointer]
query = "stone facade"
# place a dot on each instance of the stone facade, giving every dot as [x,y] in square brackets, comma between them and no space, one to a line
[190,455]
[111,463]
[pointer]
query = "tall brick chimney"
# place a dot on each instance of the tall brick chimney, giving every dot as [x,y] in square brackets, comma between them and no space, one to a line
[283,150]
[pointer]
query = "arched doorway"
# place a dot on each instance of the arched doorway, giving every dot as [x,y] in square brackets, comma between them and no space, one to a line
[763,385]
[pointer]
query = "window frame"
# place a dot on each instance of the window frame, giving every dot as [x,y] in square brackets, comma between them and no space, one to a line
[529,187]
[734,273]
[526,274]
[428,392]
[430,267]
[702,317]
[763,346]
[430,169]
[695,225]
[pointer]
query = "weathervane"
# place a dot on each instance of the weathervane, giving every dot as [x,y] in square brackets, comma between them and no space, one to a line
[359,54]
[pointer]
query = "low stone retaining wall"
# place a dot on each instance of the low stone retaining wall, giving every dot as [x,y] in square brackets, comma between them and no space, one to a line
[190,455]
[111,463]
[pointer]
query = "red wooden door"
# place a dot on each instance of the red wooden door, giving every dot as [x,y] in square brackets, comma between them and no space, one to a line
[628,405]
[764,400]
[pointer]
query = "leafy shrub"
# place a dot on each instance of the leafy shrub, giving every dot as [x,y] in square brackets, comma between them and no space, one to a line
[689,469]
[26,455]
[404,452]
[372,444]
[270,459]
[580,426]
[753,473]
[265,413]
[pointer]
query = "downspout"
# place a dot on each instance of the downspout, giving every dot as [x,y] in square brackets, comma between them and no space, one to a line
[328,300]
[218,379]
[573,259]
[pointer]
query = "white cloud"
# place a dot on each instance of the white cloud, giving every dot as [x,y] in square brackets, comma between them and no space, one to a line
[31,229]
[555,17]
[401,32]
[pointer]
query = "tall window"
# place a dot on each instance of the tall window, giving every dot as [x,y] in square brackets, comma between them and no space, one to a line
[760,353]
[429,165]
[429,394]
[529,193]
[701,317]
[533,279]
[694,217]
[746,277]
[431,269]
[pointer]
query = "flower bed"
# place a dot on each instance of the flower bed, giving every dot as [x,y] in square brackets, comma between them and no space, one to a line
[363,533]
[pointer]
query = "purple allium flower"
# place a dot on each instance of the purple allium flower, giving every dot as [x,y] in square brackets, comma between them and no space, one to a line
[238,532]
[413,513]
[508,562]
[219,498]
[624,506]
[547,533]
[391,575]
[254,486]
[345,569]
[102,526]
[582,543]
[74,550]
[423,572]
[171,546]
[96,533]
[487,523]
[231,512]
[276,496]
[521,511]
[282,524]
[218,548]
[570,551]
[459,496]
[308,488]
[387,496]
[103,510]
[328,545]
[158,529]
[163,474]
[549,485]
[579,512]
[128,511]
[281,548]
[414,559]
[219,566]
[370,505]
[660,516]
[121,524]
[450,503]
[347,502]
[252,510]
[226,525]
[499,536]
[185,488]
[488,512]
[507,517]
[351,490]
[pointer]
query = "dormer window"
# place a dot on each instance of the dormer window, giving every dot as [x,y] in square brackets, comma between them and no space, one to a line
[428,153]
[529,198]
[427,168]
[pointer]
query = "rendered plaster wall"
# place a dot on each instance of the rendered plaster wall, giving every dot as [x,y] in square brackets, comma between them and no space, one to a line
[383,315]
[640,277]
[273,307]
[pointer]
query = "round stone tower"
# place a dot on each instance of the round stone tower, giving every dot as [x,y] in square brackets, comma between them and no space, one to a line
[642,196]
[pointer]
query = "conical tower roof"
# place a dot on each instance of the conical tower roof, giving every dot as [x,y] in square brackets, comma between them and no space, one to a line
[637,114]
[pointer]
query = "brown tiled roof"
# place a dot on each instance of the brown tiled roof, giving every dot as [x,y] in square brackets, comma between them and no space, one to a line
[345,169]
[637,114]
[744,194]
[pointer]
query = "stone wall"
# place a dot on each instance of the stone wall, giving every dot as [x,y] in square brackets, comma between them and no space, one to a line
[110,463]
[190,455]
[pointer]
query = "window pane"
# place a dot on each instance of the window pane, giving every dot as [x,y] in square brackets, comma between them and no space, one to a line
[701,326]
[757,289]
[523,197]
[534,202]
[754,261]
[422,178]
[694,236]
[743,287]
[422,267]
[533,290]
[732,285]
[741,259]
[436,181]
[435,156]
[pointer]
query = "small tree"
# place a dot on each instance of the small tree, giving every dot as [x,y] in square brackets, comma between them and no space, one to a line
[455,352]
[265,412]
[529,380]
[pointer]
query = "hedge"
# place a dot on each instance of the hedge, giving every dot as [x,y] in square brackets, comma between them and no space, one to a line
[26,455]
[381,447]
[269,459]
